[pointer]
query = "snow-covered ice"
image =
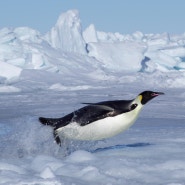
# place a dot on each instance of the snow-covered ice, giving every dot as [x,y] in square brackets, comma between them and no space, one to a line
[51,75]
[150,152]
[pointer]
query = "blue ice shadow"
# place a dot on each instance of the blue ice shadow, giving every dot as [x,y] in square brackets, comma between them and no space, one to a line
[117,147]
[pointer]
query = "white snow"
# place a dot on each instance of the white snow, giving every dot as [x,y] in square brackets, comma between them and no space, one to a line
[8,88]
[67,33]
[90,34]
[115,56]
[51,75]
[9,71]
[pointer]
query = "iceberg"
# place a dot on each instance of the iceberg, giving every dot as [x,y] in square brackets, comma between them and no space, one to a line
[90,34]
[77,55]
[119,56]
[66,35]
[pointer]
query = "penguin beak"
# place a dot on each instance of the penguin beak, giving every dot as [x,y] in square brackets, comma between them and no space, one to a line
[154,94]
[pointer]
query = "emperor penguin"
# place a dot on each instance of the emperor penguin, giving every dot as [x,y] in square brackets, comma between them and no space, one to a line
[97,121]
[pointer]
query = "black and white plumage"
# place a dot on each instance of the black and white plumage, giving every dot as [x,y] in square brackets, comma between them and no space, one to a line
[100,120]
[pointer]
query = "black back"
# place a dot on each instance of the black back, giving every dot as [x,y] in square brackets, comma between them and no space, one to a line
[94,112]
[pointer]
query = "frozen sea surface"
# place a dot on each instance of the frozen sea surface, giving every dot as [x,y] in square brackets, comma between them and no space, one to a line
[150,152]
[51,75]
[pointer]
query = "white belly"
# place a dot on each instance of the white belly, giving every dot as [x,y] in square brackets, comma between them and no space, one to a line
[100,129]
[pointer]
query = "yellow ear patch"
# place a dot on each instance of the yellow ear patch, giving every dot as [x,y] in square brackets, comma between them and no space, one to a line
[140,97]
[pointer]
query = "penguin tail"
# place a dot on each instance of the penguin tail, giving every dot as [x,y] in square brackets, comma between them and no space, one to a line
[48,121]
[52,122]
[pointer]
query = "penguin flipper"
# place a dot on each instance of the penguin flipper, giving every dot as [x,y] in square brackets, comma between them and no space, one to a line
[101,106]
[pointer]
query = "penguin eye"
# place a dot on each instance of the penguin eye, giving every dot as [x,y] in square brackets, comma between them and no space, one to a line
[153,94]
[133,106]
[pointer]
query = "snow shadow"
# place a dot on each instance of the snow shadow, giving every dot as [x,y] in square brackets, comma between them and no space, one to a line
[117,147]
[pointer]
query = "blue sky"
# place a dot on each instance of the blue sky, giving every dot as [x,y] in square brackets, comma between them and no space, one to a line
[124,16]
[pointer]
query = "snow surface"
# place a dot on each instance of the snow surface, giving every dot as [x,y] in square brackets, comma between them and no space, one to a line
[51,75]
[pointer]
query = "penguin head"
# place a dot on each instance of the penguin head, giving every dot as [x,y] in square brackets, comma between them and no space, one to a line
[148,95]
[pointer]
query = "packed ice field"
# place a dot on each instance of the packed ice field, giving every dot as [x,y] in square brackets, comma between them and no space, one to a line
[46,75]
